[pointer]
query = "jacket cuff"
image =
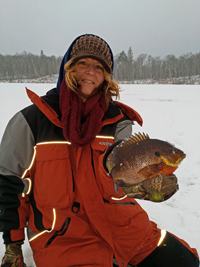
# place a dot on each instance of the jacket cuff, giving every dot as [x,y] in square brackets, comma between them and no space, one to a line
[13,236]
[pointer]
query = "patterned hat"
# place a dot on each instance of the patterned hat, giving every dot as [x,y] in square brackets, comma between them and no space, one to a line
[93,47]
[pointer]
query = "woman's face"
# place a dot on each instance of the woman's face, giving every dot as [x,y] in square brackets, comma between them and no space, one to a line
[90,77]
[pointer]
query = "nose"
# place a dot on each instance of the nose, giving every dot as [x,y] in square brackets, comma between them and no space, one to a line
[90,69]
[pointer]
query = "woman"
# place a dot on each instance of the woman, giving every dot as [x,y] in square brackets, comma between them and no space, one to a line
[54,179]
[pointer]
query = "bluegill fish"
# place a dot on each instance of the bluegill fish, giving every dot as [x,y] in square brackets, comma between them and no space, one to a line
[139,158]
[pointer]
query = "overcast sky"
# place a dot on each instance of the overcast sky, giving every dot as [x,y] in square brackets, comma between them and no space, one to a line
[154,27]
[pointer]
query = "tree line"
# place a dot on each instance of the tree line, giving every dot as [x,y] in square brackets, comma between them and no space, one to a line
[147,67]
[28,66]
[126,69]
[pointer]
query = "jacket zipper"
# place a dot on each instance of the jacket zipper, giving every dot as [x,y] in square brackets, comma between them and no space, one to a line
[61,232]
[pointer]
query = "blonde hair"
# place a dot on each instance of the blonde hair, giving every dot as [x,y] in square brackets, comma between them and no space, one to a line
[109,87]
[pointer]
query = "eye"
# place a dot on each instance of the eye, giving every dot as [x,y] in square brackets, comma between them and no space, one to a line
[174,152]
[157,153]
[99,68]
[82,62]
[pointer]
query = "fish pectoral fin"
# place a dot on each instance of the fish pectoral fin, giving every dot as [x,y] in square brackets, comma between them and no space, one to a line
[150,171]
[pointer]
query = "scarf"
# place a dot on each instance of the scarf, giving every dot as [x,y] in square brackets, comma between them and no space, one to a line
[81,121]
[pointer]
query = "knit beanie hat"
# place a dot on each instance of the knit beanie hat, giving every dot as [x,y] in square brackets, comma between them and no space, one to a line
[93,47]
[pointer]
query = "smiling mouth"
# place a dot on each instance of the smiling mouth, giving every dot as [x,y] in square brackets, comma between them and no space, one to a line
[87,81]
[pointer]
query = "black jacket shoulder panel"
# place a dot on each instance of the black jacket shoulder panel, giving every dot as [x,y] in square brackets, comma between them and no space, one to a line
[42,129]
[30,114]
[112,111]
[52,99]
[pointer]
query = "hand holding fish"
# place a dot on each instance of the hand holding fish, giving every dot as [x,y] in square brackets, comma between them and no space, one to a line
[156,189]
[144,167]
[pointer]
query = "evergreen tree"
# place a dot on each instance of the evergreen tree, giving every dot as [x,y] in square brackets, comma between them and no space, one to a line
[130,73]
[42,64]
[123,66]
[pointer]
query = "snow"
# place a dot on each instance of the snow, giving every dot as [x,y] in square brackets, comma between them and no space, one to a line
[170,113]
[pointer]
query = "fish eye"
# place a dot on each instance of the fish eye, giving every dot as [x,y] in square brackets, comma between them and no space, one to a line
[174,152]
[157,154]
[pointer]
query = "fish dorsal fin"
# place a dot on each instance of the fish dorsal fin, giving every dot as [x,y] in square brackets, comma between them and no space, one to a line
[124,145]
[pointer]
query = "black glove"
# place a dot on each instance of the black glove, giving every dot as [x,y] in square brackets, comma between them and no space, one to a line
[156,189]
[13,256]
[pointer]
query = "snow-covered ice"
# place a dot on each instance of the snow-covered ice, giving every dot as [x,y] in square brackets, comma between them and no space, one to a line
[170,113]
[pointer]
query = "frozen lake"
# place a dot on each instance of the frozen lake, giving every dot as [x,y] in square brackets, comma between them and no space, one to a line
[170,113]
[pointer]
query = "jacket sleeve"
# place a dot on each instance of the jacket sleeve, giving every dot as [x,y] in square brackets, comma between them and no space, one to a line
[123,130]
[16,151]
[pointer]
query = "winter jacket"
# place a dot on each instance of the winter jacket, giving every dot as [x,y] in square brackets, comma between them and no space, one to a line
[65,185]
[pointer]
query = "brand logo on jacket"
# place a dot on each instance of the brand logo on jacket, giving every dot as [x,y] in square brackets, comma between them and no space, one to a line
[105,143]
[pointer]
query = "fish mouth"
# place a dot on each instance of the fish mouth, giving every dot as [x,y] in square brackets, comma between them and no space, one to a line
[171,164]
